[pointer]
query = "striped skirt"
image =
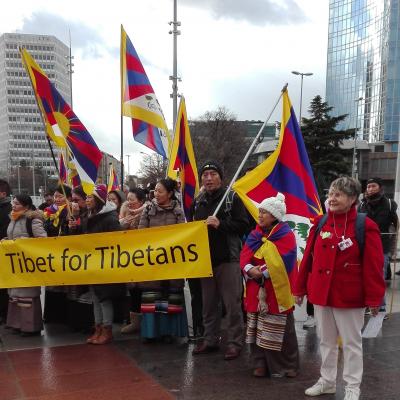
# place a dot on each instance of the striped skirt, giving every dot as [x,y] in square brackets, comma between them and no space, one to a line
[266,330]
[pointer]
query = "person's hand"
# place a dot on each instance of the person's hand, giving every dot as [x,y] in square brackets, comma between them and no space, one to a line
[374,311]
[299,300]
[255,273]
[212,221]
[75,209]
[72,223]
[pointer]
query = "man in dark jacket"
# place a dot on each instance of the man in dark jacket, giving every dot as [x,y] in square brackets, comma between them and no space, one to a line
[382,210]
[5,209]
[225,231]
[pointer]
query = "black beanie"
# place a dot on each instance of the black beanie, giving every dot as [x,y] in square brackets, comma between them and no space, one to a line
[375,180]
[211,165]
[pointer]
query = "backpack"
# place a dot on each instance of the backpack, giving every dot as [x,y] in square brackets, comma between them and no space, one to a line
[360,229]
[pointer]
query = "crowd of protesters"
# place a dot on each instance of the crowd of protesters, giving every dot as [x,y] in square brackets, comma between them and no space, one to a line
[253,287]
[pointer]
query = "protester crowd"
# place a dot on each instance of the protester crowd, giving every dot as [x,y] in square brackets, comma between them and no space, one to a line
[255,281]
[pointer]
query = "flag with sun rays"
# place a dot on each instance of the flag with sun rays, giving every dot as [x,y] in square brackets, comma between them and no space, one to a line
[286,170]
[112,180]
[139,101]
[63,126]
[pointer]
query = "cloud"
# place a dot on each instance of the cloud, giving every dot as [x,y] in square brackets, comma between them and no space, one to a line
[257,12]
[83,37]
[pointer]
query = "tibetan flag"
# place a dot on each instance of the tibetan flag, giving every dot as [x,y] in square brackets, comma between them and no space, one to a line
[73,176]
[112,180]
[286,170]
[139,102]
[63,126]
[62,169]
[183,160]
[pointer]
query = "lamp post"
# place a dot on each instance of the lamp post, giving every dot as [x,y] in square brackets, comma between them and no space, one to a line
[302,74]
[128,156]
[353,168]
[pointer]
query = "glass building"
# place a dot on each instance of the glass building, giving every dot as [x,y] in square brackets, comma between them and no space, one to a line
[363,67]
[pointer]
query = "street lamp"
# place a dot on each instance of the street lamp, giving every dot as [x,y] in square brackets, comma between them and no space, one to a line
[302,74]
[353,168]
[128,156]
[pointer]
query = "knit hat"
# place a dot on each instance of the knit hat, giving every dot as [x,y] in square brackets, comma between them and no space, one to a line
[211,165]
[375,180]
[275,205]
[100,191]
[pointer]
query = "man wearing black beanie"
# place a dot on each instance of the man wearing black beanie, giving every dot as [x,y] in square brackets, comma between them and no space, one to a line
[225,231]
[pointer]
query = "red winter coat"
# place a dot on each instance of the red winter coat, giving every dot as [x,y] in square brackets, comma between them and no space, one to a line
[343,279]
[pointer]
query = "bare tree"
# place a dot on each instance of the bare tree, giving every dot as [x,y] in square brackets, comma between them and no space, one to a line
[152,168]
[217,135]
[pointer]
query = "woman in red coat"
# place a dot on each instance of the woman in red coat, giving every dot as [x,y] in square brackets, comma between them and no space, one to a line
[267,260]
[341,282]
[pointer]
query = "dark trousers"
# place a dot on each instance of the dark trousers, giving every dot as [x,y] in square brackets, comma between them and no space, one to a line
[226,286]
[3,305]
[197,306]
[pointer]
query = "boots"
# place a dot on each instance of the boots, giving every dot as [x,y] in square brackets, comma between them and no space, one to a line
[96,334]
[105,337]
[134,326]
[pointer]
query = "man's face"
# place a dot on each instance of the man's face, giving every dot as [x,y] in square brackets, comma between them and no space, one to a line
[211,180]
[3,195]
[373,188]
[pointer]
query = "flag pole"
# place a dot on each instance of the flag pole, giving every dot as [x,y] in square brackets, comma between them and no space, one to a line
[122,118]
[249,152]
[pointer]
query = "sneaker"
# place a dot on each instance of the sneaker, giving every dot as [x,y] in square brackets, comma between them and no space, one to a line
[319,388]
[309,323]
[352,394]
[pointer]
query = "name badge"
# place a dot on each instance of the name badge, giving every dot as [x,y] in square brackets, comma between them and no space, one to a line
[345,244]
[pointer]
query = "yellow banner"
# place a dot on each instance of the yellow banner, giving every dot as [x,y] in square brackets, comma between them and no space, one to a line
[168,252]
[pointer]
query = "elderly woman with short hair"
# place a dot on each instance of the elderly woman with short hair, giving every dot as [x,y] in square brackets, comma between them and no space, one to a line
[341,279]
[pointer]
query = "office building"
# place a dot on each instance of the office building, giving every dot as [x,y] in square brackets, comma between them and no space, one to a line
[22,136]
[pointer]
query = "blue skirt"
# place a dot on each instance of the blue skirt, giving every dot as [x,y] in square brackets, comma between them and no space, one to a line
[157,325]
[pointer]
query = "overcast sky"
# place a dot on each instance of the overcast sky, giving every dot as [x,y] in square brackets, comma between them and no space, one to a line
[231,53]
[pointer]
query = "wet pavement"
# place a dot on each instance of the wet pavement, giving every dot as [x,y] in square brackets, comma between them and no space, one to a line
[59,366]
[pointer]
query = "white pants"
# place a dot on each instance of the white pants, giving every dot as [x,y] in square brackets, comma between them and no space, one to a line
[346,323]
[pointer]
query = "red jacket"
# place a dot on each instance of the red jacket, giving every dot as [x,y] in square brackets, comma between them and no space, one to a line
[343,279]
[286,245]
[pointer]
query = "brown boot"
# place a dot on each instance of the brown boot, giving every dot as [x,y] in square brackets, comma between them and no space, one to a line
[134,325]
[105,337]
[96,334]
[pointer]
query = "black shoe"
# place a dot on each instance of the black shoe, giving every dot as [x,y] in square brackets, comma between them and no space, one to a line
[29,334]
[397,273]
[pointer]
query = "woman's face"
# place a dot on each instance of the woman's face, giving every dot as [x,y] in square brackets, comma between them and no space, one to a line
[59,199]
[339,202]
[79,200]
[162,196]
[265,218]
[113,198]
[133,202]
[90,202]
[17,206]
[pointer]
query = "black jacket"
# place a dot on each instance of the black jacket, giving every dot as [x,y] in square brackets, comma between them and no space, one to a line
[383,212]
[106,221]
[225,242]
[5,209]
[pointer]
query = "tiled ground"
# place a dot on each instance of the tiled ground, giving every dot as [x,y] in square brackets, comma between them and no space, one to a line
[59,366]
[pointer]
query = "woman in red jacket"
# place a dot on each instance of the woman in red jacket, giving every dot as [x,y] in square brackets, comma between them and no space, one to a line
[341,282]
[267,260]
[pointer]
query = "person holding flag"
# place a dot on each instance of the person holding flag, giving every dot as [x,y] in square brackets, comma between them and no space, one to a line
[225,231]
[267,258]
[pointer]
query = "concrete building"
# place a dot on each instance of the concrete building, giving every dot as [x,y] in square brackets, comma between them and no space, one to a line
[363,77]
[23,140]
